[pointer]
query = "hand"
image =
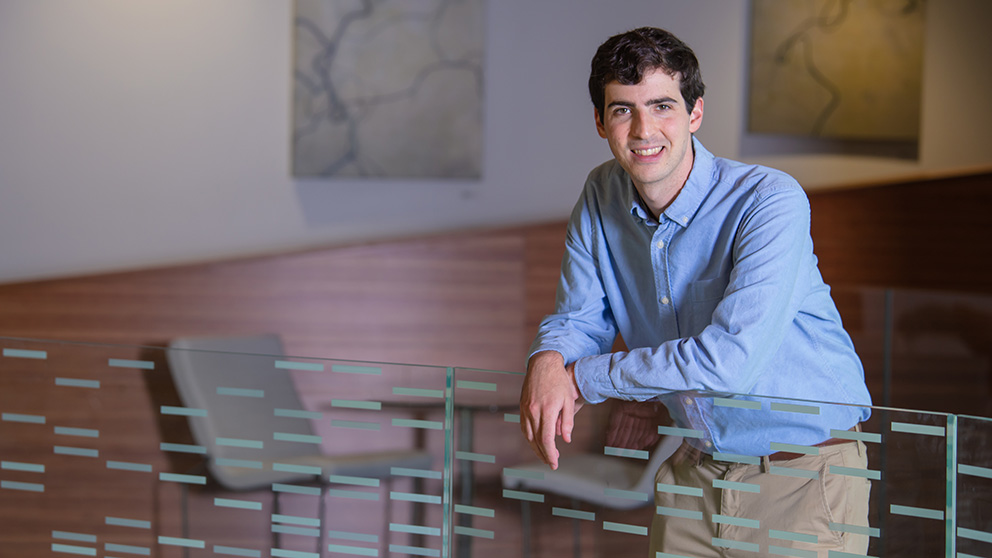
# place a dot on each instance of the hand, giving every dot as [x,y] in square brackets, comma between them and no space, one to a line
[634,424]
[548,403]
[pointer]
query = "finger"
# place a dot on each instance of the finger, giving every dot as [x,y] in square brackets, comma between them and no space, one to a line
[567,419]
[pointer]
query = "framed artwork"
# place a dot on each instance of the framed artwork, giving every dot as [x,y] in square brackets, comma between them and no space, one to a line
[388,88]
[847,69]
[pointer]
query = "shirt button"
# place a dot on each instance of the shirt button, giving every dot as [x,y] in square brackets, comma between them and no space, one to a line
[661,244]
[687,401]
[685,219]
[664,300]
[708,444]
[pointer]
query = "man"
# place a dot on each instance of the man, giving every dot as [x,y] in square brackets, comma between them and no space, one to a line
[705,266]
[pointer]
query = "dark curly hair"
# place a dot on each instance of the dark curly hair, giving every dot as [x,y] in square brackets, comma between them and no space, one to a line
[626,57]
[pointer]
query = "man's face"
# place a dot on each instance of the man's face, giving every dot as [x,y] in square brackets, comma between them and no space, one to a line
[650,131]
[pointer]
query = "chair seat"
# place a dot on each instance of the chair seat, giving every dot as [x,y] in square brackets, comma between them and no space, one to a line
[586,477]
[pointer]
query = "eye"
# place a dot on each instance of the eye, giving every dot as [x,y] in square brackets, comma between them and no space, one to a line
[621,111]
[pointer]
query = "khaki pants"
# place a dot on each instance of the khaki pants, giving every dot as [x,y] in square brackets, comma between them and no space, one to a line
[771,512]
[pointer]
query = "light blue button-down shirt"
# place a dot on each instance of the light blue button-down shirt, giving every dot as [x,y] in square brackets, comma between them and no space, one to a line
[723,295]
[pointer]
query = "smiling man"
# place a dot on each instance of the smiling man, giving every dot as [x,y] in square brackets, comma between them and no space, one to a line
[705,266]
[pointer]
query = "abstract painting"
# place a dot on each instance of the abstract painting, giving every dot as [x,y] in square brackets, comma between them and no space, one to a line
[388,88]
[848,69]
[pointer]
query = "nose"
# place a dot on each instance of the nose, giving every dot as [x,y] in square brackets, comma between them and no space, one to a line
[640,126]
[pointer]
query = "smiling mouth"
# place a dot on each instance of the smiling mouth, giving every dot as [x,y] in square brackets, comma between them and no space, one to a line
[647,152]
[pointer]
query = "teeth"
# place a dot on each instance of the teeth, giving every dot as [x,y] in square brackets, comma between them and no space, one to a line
[647,152]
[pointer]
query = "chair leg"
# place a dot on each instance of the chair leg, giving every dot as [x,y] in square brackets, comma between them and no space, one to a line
[576,532]
[322,522]
[525,529]
[184,502]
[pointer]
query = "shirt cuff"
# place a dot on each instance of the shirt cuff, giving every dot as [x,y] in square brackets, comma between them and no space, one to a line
[592,375]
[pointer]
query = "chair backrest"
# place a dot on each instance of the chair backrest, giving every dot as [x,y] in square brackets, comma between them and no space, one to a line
[667,446]
[235,380]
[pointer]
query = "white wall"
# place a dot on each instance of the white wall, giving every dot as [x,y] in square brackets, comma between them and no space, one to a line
[147,133]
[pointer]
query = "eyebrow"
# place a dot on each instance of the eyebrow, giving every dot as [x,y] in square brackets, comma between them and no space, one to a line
[663,100]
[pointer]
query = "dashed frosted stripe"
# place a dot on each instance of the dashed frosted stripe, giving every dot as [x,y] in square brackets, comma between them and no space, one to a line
[124,522]
[353,494]
[177,541]
[301,469]
[624,452]
[867,437]
[923,429]
[974,471]
[793,408]
[26,467]
[25,353]
[963,555]
[677,512]
[413,423]
[350,536]
[521,495]
[625,528]
[419,473]
[736,458]
[240,443]
[301,531]
[793,552]
[839,554]
[511,417]
[135,364]
[415,550]
[128,549]
[975,535]
[737,403]
[355,481]
[523,474]
[478,386]
[356,424]
[353,404]
[792,536]
[237,504]
[668,555]
[472,456]
[235,551]
[81,432]
[77,452]
[73,549]
[736,545]
[869,474]
[184,479]
[296,489]
[301,438]
[678,489]
[854,529]
[241,392]
[916,512]
[243,463]
[735,485]
[76,382]
[296,413]
[183,448]
[345,369]
[419,392]
[473,532]
[295,520]
[182,411]
[283,553]
[793,472]
[353,550]
[794,448]
[684,432]
[414,529]
[126,466]
[412,497]
[304,366]
[30,419]
[70,536]
[625,494]
[736,521]
[573,514]
[473,510]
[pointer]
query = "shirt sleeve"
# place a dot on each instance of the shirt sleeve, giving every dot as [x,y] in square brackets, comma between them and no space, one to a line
[583,322]
[747,327]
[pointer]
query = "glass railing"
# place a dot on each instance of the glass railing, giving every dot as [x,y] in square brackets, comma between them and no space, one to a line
[125,451]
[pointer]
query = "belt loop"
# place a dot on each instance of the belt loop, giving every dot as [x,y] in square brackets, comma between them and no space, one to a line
[766,464]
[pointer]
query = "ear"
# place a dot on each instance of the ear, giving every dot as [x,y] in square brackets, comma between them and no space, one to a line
[599,123]
[696,116]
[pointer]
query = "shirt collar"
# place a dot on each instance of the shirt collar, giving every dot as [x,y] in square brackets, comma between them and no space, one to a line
[685,205]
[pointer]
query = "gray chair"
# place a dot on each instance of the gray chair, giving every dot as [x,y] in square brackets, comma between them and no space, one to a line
[205,370]
[598,479]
